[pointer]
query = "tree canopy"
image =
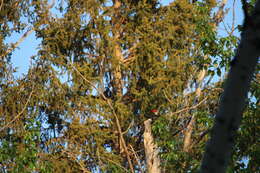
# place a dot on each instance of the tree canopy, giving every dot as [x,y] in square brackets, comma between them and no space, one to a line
[101,70]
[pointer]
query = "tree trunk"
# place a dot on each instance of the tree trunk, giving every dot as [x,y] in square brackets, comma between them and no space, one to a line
[151,149]
[117,78]
[227,121]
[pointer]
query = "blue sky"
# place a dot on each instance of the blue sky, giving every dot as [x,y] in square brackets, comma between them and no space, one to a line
[22,55]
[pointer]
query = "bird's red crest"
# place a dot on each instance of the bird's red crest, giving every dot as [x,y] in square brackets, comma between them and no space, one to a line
[154,110]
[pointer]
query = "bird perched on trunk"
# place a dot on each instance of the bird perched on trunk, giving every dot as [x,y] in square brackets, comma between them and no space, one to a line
[153,114]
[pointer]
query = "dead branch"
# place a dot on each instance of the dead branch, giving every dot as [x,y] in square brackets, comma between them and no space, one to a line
[136,158]
[151,149]
[15,45]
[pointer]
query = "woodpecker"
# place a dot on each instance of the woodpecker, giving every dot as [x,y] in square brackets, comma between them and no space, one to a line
[153,114]
[155,111]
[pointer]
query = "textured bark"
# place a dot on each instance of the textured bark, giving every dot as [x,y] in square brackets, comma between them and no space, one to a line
[151,149]
[117,71]
[188,135]
[227,121]
[118,57]
[117,78]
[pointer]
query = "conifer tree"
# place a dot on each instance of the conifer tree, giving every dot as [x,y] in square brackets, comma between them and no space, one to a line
[102,69]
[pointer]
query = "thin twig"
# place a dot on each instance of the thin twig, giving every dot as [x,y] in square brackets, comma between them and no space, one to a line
[117,164]
[26,34]
[72,156]
[137,158]
[167,98]
[51,4]
[130,54]
[220,13]
[130,125]
[90,83]
[189,108]
[19,114]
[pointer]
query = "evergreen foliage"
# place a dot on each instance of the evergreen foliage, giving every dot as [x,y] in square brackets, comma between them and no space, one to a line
[101,67]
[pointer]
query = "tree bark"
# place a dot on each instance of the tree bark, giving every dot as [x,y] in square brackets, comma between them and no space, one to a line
[118,57]
[188,135]
[117,78]
[227,121]
[151,149]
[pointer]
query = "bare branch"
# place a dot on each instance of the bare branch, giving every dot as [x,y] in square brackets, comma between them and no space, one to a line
[189,108]
[233,17]
[130,125]
[14,46]
[137,158]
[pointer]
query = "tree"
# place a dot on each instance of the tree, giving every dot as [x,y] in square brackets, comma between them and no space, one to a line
[233,101]
[102,67]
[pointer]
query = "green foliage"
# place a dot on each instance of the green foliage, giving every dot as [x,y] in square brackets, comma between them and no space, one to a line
[99,72]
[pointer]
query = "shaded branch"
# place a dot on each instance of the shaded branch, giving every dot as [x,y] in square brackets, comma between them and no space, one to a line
[201,136]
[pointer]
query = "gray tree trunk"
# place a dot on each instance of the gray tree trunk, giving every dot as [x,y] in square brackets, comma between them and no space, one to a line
[227,121]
